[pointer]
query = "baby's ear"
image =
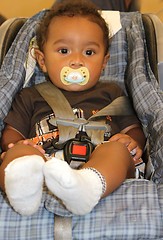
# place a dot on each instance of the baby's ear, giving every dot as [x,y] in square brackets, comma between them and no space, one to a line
[106,59]
[40,59]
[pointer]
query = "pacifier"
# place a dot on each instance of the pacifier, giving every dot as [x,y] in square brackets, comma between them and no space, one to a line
[74,76]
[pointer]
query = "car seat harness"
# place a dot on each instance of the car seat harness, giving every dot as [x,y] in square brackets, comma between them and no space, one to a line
[77,136]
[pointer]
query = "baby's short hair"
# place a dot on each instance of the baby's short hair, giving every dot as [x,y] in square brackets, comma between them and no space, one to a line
[72,8]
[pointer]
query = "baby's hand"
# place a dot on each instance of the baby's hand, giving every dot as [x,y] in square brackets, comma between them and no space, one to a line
[25,142]
[130,143]
[2,156]
[28,142]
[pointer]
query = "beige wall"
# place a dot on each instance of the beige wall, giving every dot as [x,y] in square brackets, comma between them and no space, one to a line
[20,8]
[153,6]
[14,8]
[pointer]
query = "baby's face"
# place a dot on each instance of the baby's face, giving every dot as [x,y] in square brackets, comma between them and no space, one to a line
[74,53]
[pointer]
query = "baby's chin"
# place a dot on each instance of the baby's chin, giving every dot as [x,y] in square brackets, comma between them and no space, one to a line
[75,88]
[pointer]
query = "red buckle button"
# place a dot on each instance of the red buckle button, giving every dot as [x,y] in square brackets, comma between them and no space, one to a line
[79,150]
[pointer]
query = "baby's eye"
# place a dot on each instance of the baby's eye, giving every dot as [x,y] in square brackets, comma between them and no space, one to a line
[89,52]
[63,51]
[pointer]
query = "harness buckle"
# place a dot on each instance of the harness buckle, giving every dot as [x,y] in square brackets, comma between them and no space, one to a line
[75,149]
[78,149]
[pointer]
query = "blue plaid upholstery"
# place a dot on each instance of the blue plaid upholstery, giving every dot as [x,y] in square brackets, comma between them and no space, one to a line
[12,72]
[135,209]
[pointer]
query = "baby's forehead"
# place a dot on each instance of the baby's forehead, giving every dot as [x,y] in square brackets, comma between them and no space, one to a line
[67,22]
[66,27]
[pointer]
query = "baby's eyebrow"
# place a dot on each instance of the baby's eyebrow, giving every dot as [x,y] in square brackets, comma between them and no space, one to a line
[66,41]
[61,41]
[93,43]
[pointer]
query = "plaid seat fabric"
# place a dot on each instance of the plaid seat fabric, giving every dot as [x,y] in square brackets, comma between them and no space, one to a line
[12,72]
[135,209]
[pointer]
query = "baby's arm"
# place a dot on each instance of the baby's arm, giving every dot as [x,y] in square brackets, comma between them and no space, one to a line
[11,136]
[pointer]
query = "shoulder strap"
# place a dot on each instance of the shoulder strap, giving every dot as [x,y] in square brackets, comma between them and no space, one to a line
[121,106]
[56,100]
[68,125]
[60,106]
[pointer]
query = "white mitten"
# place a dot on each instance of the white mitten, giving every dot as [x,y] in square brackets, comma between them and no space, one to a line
[24,183]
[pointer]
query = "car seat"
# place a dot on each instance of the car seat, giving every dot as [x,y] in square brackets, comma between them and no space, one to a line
[134,210]
[9,30]
[152,28]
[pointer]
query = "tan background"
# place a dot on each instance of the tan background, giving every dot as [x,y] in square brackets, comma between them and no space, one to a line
[19,8]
